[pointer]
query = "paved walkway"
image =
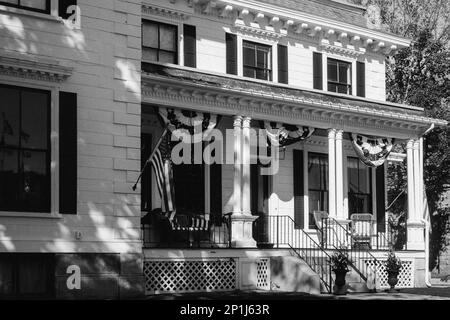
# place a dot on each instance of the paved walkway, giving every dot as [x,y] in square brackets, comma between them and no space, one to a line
[434,293]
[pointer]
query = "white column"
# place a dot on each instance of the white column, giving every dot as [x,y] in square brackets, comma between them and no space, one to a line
[246,207]
[339,175]
[241,219]
[416,239]
[410,178]
[332,172]
[237,125]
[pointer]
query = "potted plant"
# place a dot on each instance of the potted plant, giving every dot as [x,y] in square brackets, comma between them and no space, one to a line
[339,265]
[393,267]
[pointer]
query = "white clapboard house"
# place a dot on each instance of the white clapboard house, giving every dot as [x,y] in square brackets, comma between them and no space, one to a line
[94,92]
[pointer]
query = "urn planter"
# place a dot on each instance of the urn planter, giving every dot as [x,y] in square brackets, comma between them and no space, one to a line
[340,287]
[392,280]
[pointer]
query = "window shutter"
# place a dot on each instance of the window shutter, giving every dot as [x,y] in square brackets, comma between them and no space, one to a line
[190,46]
[62,8]
[282,64]
[360,79]
[215,174]
[67,153]
[381,199]
[318,71]
[231,43]
[299,190]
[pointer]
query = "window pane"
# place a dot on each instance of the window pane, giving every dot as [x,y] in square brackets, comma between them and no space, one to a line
[353,175]
[364,179]
[32,275]
[9,179]
[167,57]
[150,54]
[342,89]
[150,35]
[332,87]
[262,74]
[249,72]
[344,73]
[11,1]
[36,4]
[263,58]
[249,56]
[9,117]
[6,277]
[332,71]
[34,132]
[168,36]
[35,188]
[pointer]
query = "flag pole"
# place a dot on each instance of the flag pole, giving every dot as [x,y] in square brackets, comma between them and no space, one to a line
[151,156]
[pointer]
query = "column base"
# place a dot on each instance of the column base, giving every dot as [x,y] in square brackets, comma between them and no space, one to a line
[242,231]
[415,235]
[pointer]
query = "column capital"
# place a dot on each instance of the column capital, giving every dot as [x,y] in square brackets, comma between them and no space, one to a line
[416,144]
[246,122]
[237,121]
[331,133]
[339,134]
[410,144]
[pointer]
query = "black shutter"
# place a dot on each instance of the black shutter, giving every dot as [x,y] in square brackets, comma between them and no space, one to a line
[299,190]
[231,42]
[282,64]
[215,174]
[360,79]
[318,71]
[190,46]
[62,8]
[67,153]
[381,199]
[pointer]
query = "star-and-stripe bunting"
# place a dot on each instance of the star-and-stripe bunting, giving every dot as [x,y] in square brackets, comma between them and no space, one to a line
[373,152]
[282,135]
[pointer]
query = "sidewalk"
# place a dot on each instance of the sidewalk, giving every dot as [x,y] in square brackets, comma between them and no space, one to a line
[434,293]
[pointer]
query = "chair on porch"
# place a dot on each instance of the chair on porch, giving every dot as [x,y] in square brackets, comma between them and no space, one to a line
[362,230]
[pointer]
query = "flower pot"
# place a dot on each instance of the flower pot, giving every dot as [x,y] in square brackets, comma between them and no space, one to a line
[392,280]
[340,288]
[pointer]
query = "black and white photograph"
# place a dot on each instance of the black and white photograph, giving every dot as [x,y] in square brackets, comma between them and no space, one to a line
[224,158]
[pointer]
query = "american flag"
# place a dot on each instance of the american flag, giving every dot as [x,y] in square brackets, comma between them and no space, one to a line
[162,166]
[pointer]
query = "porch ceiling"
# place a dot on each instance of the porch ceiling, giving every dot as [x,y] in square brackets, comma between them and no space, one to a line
[189,88]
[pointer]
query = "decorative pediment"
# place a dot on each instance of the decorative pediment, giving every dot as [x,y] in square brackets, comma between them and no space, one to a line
[24,67]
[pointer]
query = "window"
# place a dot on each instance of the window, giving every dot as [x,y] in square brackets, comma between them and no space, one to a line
[359,187]
[317,185]
[32,5]
[27,275]
[24,150]
[257,61]
[339,76]
[159,42]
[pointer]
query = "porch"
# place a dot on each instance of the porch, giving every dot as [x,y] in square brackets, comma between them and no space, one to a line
[233,206]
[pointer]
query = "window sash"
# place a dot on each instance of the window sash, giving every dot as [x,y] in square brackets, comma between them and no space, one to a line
[361,192]
[336,79]
[22,4]
[162,54]
[320,160]
[19,171]
[260,65]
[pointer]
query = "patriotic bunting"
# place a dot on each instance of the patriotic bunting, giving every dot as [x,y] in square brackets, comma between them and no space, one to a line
[282,135]
[373,152]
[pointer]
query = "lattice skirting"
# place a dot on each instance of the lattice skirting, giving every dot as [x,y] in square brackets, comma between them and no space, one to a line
[405,277]
[190,275]
[263,274]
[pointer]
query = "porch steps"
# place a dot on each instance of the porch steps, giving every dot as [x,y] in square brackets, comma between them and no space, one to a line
[292,274]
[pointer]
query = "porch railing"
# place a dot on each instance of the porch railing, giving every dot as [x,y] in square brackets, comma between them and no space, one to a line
[283,232]
[357,246]
[159,234]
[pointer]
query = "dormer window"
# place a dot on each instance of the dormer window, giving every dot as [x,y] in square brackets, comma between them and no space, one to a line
[159,42]
[257,61]
[42,6]
[339,76]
